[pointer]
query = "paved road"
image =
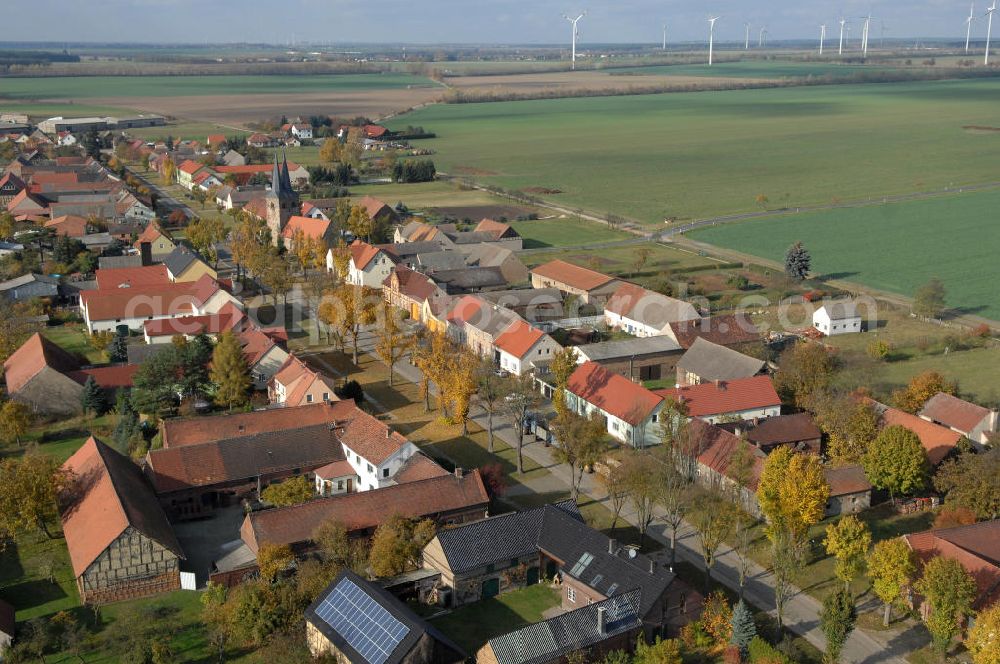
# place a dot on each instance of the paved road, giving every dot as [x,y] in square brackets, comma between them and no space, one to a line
[801,611]
[164,197]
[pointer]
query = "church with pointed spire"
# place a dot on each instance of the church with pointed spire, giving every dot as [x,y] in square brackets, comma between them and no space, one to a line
[282,201]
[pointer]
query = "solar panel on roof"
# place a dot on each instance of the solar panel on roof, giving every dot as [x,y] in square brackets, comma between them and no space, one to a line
[364,623]
[581,565]
[597,580]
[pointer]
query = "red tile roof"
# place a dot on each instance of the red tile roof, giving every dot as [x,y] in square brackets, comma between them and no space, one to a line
[363,253]
[953,412]
[69,225]
[215,139]
[730,396]
[342,468]
[315,229]
[572,275]
[299,380]
[197,430]
[113,495]
[123,277]
[375,131]
[364,511]
[496,228]
[190,167]
[412,284]
[257,207]
[107,377]
[466,309]
[714,448]
[725,330]
[418,467]
[368,436]
[371,205]
[613,393]
[139,302]
[846,480]
[974,547]
[518,339]
[784,429]
[228,318]
[256,344]
[937,440]
[34,355]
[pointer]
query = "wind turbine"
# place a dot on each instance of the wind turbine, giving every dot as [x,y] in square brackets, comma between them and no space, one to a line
[822,37]
[760,37]
[746,46]
[968,25]
[989,30]
[711,36]
[843,22]
[574,21]
[864,34]
[664,36]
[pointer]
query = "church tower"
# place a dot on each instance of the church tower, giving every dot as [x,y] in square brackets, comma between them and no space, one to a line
[282,200]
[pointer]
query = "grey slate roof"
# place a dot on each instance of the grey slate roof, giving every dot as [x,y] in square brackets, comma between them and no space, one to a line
[610,350]
[567,633]
[179,259]
[106,262]
[559,531]
[503,537]
[434,646]
[841,309]
[470,278]
[711,361]
[28,279]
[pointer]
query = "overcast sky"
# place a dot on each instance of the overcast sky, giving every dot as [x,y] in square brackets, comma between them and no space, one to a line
[473,21]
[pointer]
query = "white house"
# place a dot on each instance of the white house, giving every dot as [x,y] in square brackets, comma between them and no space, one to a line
[971,420]
[375,452]
[644,313]
[369,265]
[336,478]
[629,409]
[109,308]
[521,345]
[301,131]
[839,317]
[718,401]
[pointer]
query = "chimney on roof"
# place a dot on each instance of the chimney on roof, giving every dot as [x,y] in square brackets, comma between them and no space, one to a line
[652,566]
[388,432]
[146,251]
[459,473]
[612,547]
[602,620]
[241,427]
[721,384]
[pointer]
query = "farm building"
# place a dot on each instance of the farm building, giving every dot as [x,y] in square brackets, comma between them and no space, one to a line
[971,420]
[590,286]
[639,359]
[745,398]
[707,362]
[974,547]
[358,622]
[850,491]
[645,313]
[120,542]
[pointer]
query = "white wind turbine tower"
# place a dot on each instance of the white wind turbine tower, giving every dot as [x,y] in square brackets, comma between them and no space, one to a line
[574,21]
[843,22]
[760,37]
[746,46]
[664,36]
[968,25]
[865,33]
[711,37]
[822,37]
[989,30]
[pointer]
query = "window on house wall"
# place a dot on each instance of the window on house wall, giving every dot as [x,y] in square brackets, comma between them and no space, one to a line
[571,594]
[309,398]
[370,469]
[385,472]
[326,396]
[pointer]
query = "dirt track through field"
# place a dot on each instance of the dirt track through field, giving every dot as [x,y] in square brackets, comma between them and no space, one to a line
[238,110]
[585,80]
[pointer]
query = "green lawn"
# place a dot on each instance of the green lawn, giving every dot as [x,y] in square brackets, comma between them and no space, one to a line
[25,580]
[40,110]
[662,259]
[73,338]
[707,153]
[185,130]
[895,247]
[473,625]
[171,86]
[565,232]
[421,195]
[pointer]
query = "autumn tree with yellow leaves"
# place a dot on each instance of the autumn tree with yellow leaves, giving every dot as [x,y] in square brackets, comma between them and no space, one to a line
[347,310]
[848,541]
[391,341]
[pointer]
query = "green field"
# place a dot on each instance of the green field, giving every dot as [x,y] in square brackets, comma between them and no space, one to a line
[708,153]
[895,247]
[83,87]
[565,232]
[755,69]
